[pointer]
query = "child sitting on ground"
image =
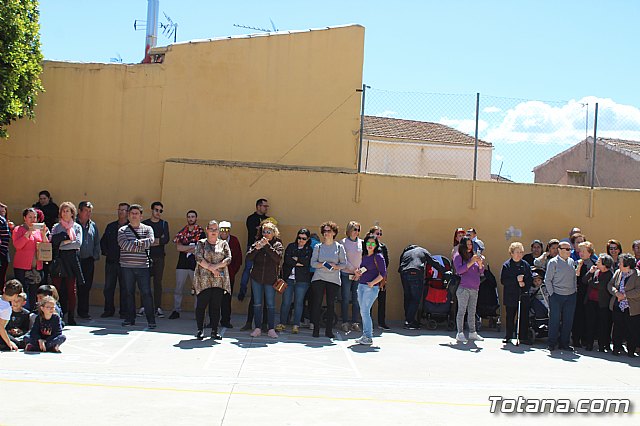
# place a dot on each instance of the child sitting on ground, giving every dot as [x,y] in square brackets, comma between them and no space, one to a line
[19,324]
[46,333]
[47,290]
[11,291]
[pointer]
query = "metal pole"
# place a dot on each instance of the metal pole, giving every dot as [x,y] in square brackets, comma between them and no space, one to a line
[152,28]
[364,88]
[475,150]
[595,138]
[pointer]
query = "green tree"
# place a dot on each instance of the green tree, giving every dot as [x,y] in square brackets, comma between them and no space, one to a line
[20,60]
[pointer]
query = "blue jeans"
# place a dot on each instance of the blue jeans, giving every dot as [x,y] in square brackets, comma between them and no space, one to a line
[412,284]
[257,290]
[366,297]
[561,309]
[295,291]
[248,264]
[143,277]
[349,291]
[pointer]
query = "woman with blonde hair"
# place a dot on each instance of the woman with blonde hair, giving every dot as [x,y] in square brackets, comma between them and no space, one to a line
[516,279]
[66,237]
[266,254]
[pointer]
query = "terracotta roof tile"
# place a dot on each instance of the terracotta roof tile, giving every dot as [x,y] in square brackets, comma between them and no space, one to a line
[419,131]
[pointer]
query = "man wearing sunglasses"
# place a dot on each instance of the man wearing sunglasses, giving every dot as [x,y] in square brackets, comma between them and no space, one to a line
[157,253]
[560,281]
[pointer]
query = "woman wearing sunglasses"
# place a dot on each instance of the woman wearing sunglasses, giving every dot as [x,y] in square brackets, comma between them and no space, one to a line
[372,272]
[614,249]
[328,259]
[297,258]
[266,254]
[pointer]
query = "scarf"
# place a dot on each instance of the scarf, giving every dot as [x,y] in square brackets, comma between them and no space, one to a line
[69,227]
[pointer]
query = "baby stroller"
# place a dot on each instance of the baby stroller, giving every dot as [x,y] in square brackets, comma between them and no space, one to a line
[538,314]
[488,301]
[436,303]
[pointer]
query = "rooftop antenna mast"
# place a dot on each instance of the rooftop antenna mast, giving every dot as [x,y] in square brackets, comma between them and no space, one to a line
[264,30]
[169,29]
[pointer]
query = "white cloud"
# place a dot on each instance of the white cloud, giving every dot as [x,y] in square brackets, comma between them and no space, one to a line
[539,122]
[491,109]
[388,114]
[465,126]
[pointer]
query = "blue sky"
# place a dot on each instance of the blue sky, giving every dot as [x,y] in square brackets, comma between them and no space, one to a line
[555,51]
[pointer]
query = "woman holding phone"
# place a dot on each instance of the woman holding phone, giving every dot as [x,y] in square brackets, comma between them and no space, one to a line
[26,268]
[328,258]
[469,266]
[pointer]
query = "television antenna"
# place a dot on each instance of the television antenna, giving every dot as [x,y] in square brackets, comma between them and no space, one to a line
[117,59]
[169,29]
[264,30]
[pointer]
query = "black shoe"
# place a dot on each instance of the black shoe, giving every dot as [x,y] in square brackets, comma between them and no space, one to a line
[71,320]
[329,334]
[384,327]
[551,348]
[568,348]
[246,327]
[200,335]
[127,323]
[84,316]
[316,332]
[226,325]
[152,326]
[505,340]
[107,314]
[174,315]
[215,335]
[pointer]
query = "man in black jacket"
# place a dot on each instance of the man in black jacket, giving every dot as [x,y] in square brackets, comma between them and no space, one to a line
[112,273]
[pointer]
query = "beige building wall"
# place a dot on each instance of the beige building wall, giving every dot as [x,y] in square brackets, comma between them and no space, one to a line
[111,133]
[425,159]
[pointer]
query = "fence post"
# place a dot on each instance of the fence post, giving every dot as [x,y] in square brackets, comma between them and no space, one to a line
[364,89]
[475,150]
[595,138]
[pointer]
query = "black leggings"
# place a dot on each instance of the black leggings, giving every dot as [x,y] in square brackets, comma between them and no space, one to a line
[510,326]
[318,289]
[211,297]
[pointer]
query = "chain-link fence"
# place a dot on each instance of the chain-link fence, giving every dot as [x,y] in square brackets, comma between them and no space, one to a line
[483,137]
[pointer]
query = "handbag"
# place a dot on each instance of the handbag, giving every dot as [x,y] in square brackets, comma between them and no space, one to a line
[280,285]
[44,252]
[451,282]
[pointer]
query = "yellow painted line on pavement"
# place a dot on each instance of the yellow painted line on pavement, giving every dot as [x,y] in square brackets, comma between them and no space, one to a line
[261,395]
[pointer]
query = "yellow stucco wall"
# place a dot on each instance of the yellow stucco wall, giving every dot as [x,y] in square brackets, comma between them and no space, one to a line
[108,132]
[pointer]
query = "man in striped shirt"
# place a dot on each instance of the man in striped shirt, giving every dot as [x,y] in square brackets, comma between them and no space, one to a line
[134,240]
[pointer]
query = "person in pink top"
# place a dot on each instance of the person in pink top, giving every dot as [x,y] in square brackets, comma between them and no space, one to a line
[26,268]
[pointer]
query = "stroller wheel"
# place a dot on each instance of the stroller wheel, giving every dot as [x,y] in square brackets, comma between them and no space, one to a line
[432,324]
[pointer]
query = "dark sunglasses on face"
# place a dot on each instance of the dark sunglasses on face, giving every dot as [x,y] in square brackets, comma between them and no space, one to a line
[378,234]
[224,229]
[158,210]
[326,230]
[356,229]
[564,248]
[303,238]
[613,248]
[371,244]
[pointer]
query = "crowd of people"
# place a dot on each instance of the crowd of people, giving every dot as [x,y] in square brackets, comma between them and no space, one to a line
[588,298]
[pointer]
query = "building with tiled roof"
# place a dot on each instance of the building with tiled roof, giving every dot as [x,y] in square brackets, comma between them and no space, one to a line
[421,148]
[617,164]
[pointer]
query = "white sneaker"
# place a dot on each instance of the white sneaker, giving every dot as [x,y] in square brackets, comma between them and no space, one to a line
[159,313]
[141,312]
[475,336]
[460,338]
[364,340]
